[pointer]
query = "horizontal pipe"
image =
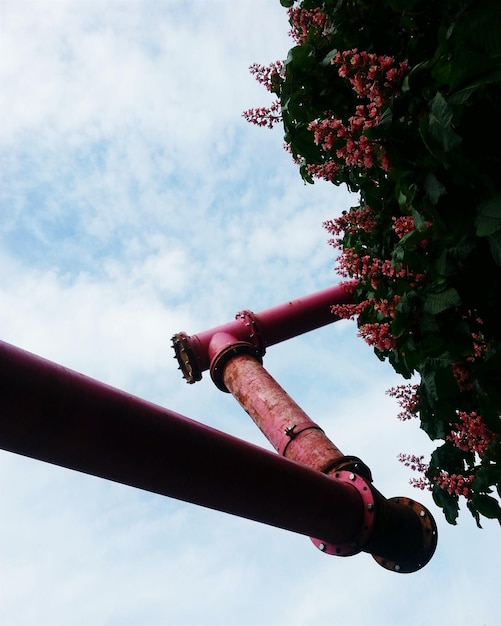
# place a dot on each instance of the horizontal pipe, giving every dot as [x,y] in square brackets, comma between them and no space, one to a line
[54,414]
[257,331]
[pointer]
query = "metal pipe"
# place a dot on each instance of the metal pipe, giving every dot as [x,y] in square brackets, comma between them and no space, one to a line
[286,426]
[54,414]
[400,533]
[252,333]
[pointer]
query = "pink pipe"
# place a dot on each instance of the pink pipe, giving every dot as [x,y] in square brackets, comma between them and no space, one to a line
[255,332]
[399,527]
[286,426]
[53,414]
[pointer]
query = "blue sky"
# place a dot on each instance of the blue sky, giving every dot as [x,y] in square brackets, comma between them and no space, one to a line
[135,203]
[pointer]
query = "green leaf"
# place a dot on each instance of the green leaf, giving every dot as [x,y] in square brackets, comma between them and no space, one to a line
[437,131]
[488,218]
[438,302]
[488,507]
[433,188]
[429,384]
[448,503]
[300,54]
[495,245]
[328,57]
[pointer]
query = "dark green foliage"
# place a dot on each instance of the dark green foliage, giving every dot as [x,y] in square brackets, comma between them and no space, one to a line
[442,135]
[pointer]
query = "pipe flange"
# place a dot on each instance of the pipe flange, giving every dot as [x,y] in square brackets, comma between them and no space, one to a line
[186,357]
[254,332]
[429,543]
[219,362]
[350,464]
[356,543]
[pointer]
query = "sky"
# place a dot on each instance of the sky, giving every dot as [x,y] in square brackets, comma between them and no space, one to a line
[135,203]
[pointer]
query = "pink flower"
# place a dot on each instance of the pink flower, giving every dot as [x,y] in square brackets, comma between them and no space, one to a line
[471,434]
[462,376]
[378,335]
[407,397]
[267,74]
[455,484]
[264,116]
[414,462]
[302,21]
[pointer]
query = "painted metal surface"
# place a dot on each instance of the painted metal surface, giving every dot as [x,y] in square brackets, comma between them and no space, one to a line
[288,428]
[401,534]
[256,331]
[54,414]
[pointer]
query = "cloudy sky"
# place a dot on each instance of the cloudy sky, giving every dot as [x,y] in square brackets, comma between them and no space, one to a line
[135,203]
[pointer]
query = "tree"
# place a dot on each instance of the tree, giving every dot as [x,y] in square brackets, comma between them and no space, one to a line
[399,101]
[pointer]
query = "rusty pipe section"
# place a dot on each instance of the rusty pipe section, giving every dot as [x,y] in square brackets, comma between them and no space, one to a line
[399,533]
[53,414]
[286,426]
[251,333]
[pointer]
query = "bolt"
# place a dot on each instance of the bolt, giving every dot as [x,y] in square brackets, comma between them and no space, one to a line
[370,506]
[422,513]
[397,568]
[321,546]
[352,476]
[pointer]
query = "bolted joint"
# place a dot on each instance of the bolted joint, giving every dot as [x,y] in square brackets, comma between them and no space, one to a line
[222,348]
[185,349]
[405,534]
[399,533]
[362,532]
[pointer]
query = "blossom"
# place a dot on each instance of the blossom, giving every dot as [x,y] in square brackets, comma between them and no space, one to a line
[455,484]
[264,116]
[327,171]
[303,21]
[462,376]
[420,483]
[378,335]
[403,225]
[407,397]
[267,75]
[414,462]
[371,76]
[471,434]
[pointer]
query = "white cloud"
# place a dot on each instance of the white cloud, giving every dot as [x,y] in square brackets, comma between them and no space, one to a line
[137,203]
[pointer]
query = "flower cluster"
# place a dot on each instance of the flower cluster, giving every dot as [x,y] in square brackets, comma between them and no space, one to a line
[351,222]
[267,75]
[407,397]
[416,463]
[455,484]
[374,80]
[264,116]
[379,335]
[351,146]
[304,21]
[471,434]
[372,77]
[462,376]
[426,230]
